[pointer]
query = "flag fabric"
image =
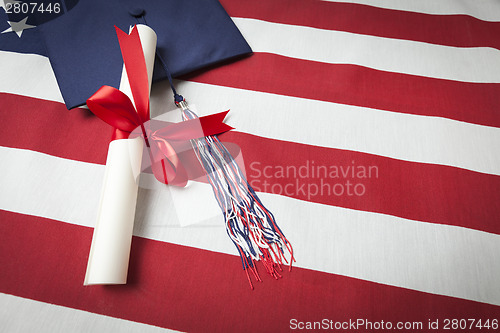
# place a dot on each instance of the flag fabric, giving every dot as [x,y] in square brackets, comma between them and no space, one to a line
[370,129]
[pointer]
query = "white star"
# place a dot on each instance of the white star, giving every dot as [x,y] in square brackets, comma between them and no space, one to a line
[4,3]
[18,27]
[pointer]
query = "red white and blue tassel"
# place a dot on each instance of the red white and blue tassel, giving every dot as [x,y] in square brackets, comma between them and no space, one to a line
[249,224]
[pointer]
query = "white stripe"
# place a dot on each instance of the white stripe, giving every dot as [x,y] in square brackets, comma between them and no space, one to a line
[397,135]
[487,10]
[77,201]
[29,75]
[401,136]
[387,54]
[434,258]
[19,314]
[58,186]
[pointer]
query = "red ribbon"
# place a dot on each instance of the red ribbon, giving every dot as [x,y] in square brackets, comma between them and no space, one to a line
[116,109]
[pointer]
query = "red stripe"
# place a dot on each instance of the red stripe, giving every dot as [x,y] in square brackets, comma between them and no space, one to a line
[418,191]
[193,290]
[356,85]
[452,30]
[49,127]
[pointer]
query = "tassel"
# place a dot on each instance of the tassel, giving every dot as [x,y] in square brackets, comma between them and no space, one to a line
[249,224]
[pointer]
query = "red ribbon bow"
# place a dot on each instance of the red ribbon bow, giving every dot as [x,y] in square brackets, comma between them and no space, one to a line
[116,109]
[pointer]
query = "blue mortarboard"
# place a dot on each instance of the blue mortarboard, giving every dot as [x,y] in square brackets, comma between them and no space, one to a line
[84,52]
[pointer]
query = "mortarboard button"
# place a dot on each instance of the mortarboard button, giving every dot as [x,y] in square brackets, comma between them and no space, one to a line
[136,11]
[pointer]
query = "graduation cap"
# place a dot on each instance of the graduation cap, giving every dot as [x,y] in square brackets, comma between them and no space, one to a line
[84,53]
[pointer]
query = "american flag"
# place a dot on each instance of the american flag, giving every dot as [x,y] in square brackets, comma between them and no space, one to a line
[370,130]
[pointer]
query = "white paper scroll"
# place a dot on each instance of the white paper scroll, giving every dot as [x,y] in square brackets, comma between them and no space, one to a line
[110,249]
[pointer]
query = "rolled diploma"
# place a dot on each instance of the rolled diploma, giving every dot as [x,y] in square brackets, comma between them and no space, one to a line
[110,249]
